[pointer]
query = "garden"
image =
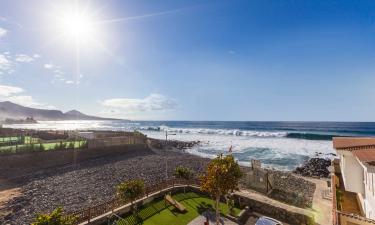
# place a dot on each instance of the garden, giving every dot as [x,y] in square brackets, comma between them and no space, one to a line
[160,211]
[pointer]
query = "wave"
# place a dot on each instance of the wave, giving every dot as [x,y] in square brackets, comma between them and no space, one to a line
[245,133]
[310,136]
[233,132]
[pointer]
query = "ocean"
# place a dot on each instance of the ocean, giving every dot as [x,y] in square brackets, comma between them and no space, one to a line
[280,145]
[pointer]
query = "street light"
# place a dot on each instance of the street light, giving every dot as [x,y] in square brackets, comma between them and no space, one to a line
[165,153]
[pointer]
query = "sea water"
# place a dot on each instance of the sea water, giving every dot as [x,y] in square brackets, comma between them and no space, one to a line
[281,145]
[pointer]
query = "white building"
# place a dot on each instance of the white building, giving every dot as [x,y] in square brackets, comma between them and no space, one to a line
[357,163]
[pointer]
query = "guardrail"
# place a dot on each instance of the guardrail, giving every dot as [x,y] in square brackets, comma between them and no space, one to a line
[338,215]
[357,218]
[86,215]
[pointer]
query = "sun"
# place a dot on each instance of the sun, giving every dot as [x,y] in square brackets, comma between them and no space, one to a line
[77,26]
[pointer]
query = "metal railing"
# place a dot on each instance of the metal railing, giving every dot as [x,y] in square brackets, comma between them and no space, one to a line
[86,215]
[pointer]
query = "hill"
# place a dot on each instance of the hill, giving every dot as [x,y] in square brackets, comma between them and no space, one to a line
[10,110]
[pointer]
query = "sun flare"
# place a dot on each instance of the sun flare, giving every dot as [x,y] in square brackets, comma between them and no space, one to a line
[76,26]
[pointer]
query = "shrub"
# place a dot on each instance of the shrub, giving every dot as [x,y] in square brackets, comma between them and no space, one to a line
[56,217]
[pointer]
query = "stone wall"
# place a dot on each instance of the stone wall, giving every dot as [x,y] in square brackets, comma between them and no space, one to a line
[276,212]
[21,164]
[283,186]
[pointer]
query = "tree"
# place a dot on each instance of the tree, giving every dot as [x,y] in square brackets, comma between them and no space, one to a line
[55,218]
[183,173]
[71,145]
[131,190]
[222,176]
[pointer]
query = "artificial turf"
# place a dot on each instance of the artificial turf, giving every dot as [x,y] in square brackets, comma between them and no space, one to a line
[158,212]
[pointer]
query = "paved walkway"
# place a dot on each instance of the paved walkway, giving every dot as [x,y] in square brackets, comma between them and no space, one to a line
[211,218]
[263,198]
[322,208]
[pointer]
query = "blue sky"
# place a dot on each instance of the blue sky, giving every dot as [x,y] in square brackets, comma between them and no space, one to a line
[193,60]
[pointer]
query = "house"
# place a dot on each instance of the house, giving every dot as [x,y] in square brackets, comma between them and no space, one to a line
[354,180]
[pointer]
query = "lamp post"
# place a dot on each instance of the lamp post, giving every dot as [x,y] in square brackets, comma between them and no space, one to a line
[165,152]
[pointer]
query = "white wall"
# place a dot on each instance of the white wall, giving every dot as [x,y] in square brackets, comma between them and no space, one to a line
[352,173]
[369,197]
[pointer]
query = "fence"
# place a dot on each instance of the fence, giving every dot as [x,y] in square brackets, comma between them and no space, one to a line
[86,215]
[43,146]
[344,218]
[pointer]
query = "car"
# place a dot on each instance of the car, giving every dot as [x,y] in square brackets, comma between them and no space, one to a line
[264,220]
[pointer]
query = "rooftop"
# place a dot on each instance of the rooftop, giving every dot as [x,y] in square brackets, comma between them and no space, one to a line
[354,143]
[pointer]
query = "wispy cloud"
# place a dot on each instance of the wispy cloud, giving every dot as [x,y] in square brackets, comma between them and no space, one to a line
[6,91]
[3,32]
[6,64]
[15,95]
[153,102]
[24,58]
[9,61]
[57,73]
[60,76]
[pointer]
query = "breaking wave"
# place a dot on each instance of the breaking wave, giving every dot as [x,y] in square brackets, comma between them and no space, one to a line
[246,133]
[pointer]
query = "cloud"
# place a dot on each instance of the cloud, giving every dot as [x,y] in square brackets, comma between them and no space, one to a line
[58,74]
[7,91]
[48,66]
[24,58]
[14,94]
[9,62]
[153,102]
[6,65]
[3,32]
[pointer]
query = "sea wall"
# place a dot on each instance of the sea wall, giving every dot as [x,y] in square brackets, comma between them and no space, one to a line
[16,165]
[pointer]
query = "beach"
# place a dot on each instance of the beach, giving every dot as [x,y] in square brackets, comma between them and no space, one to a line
[89,183]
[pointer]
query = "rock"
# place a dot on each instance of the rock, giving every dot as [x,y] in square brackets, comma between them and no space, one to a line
[314,167]
[92,182]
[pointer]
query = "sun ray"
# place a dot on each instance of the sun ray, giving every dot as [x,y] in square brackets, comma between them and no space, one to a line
[124,19]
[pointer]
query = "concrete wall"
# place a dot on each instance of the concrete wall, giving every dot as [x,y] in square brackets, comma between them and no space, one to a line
[352,173]
[20,164]
[368,199]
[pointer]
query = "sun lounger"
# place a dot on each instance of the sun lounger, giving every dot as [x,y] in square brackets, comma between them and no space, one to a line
[175,203]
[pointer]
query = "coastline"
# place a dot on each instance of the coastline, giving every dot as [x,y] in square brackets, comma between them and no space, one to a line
[80,185]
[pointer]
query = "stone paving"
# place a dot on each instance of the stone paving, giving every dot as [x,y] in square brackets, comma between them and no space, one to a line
[211,218]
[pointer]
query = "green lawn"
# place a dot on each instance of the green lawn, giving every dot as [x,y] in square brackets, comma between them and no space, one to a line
[156,212]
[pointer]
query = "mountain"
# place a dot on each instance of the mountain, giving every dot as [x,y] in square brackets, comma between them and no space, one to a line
[11,110]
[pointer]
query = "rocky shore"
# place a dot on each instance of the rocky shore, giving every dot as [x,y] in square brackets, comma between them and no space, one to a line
[180,145]
[314,167]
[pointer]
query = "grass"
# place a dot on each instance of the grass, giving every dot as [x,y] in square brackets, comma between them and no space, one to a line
[157,212]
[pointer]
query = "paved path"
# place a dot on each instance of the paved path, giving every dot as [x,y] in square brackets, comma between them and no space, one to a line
[322,208]
[211,218]
[265,199]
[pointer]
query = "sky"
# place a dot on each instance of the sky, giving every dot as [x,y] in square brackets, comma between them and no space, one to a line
[279,60]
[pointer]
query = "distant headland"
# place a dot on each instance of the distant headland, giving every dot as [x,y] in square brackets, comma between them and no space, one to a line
[10,110]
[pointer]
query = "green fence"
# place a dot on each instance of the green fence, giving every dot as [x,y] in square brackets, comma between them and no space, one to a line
[31,146]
